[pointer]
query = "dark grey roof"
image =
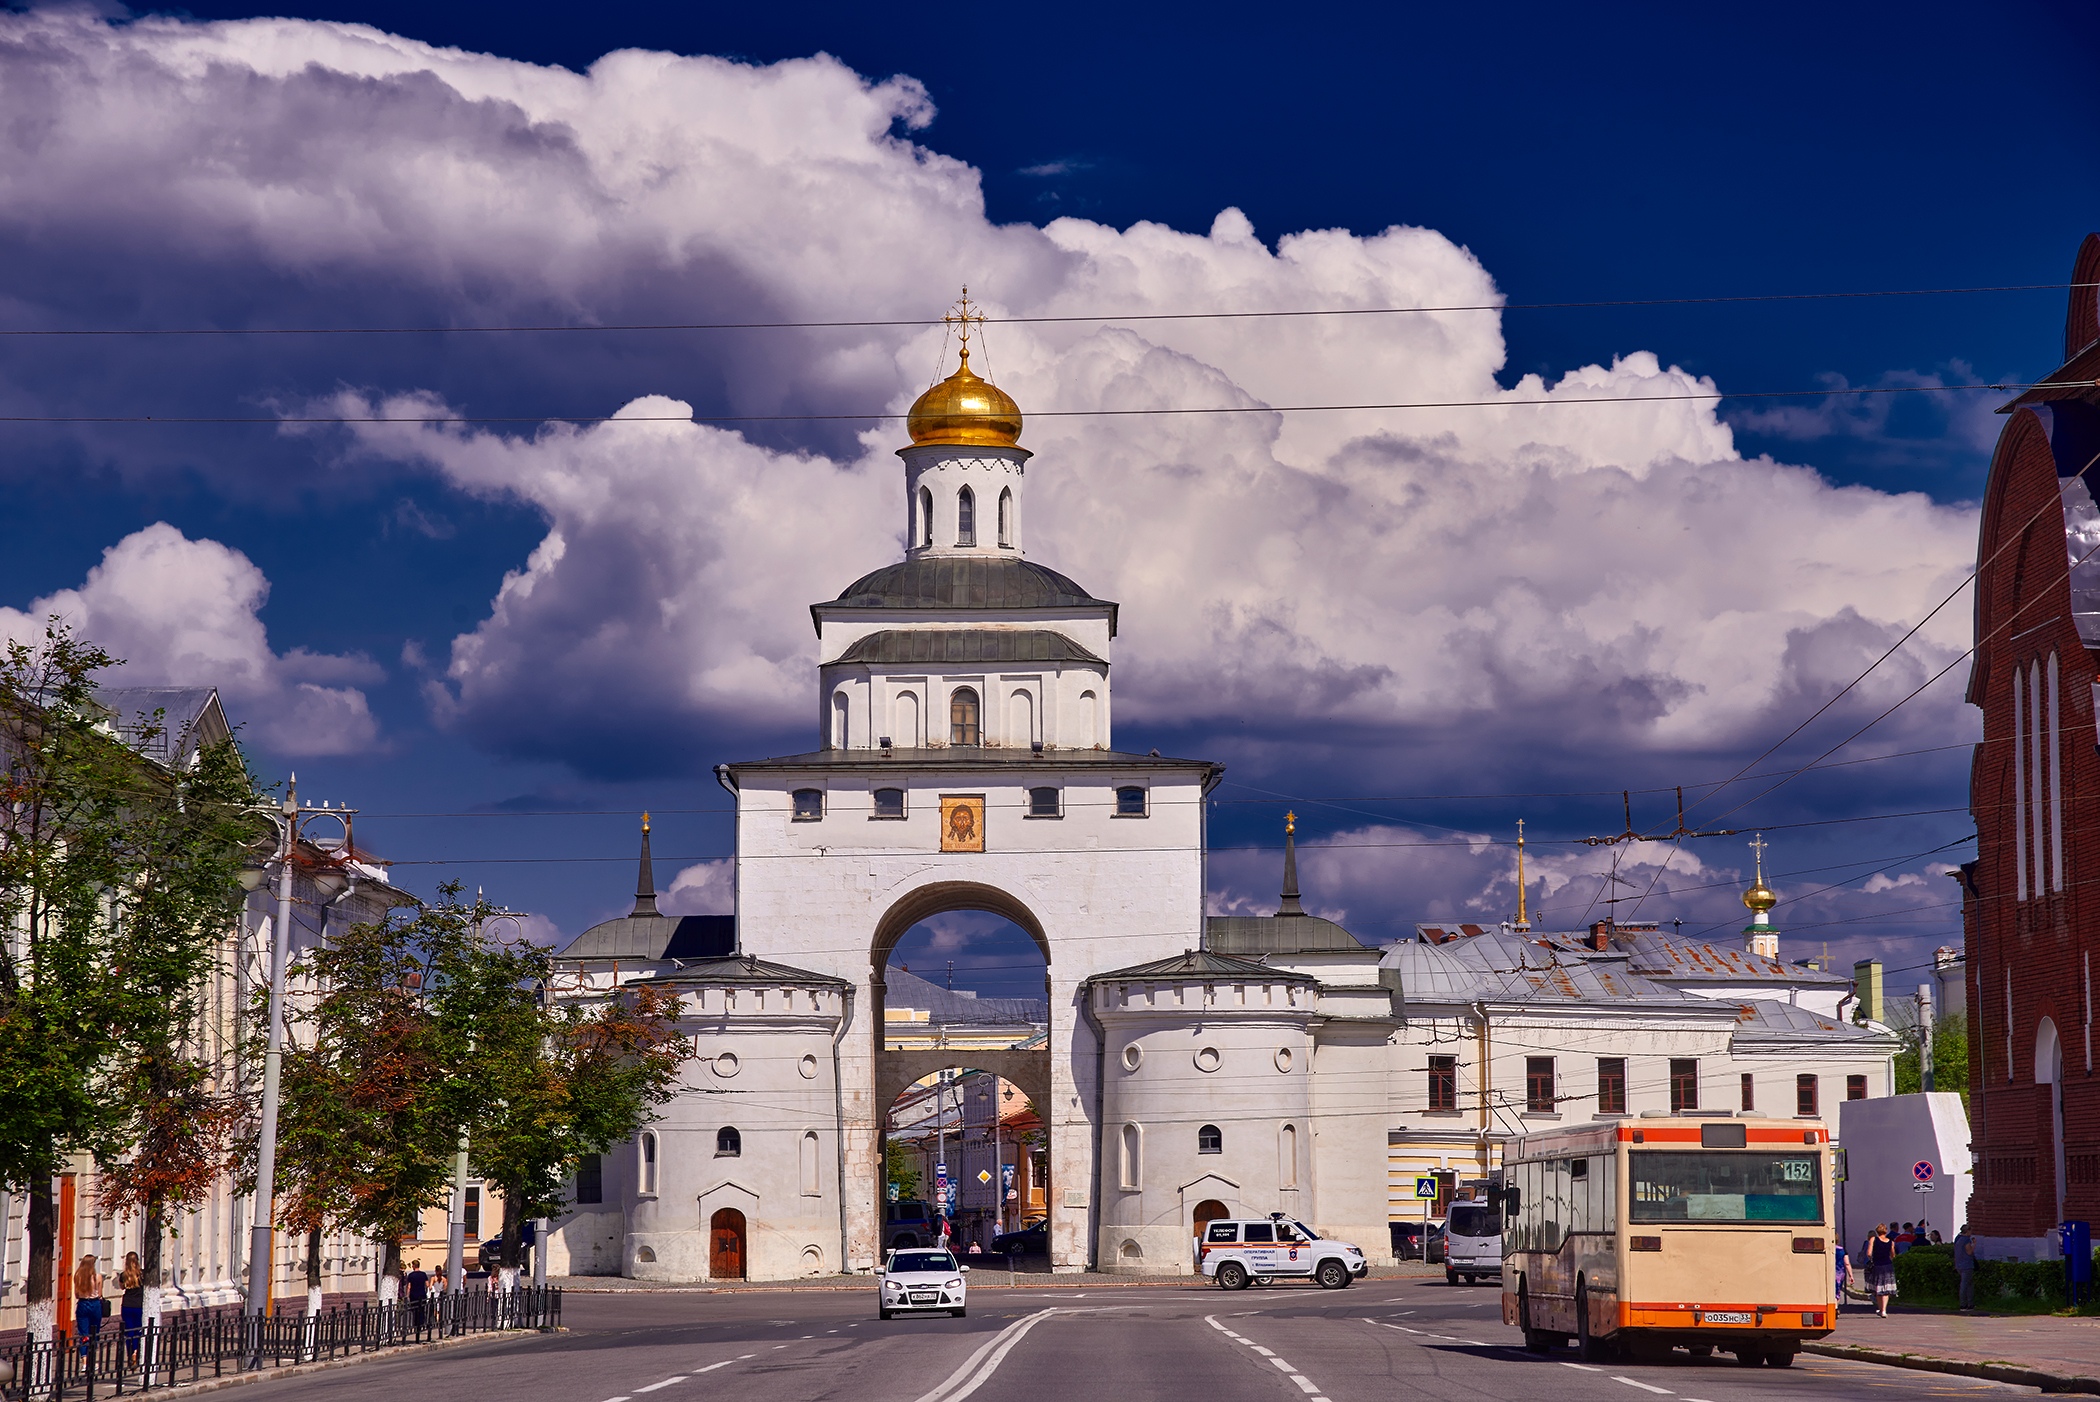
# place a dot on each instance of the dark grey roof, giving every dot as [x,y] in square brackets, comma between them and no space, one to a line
[1276,934]
[904,989]
[1501,967]
[1202,963]
[191,718]
[745,968]
[949,582]
[912,645]
[1050,762]
[652,937]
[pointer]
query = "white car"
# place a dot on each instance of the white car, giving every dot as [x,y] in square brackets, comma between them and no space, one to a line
[1238,1253]
[923,1282]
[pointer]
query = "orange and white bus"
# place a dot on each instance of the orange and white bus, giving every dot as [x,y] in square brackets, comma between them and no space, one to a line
[1633,1237]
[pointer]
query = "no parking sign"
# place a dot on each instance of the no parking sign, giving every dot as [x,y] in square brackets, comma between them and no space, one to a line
[1921,1173]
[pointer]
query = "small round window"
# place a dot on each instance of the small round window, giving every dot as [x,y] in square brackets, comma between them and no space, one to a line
[1133,1056]
[1283,1058]
[726,1065]
[1208,1059]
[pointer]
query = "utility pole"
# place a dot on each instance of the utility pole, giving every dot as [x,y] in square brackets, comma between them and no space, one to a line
[1925,1037]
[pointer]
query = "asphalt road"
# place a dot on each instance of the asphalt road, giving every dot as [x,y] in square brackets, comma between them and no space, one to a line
[1374,1342]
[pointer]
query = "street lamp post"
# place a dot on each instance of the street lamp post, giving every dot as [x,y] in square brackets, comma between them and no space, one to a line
[285,817]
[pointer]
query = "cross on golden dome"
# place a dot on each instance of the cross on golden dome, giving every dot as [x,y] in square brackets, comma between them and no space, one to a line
[965,410]
[1760,897]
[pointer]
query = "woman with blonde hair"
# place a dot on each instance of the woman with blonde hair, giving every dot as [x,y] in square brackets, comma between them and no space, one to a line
[88,1303]
[1881,1268]
[133,1280]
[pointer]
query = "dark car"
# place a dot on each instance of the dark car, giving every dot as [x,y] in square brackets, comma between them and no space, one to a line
[1031,1239]
[1407,1241]
[909,1224]
[1433,1248]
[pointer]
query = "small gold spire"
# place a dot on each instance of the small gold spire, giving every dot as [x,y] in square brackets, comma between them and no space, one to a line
[1523,919]
[645,822]
[965,410]
[1760,898]
[1290,823]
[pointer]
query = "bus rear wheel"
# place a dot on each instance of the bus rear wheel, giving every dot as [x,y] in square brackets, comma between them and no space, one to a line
[1749,1357]
[1779,1358]
[1589,1348]
[1534,1341]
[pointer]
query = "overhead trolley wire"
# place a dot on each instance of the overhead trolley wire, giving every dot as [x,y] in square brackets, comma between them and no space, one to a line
[876,323]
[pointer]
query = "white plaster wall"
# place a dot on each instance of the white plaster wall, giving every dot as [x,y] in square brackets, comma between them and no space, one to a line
[1108,892]
[945,471]
[1349,1134]
[1882,1139]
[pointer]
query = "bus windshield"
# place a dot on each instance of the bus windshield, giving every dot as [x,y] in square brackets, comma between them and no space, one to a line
[1696,1185]
[1473,1219]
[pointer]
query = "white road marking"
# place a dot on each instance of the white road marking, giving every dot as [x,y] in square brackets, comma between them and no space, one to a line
[1307,1388]
[1645,1387]
[978,1368]
[665,1383]
[1305,1384]
[618,1399]
[1288,1368]
[1265,1353]
[712,1366]
[1584,1367]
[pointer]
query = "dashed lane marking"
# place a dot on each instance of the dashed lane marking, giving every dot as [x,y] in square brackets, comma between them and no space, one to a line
[665,1383]
[712,1366]
[1579,1367]
[1645,1387]
[1304,1384]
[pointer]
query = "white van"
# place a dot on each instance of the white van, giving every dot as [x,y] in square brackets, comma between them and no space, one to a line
[1472,1242]
[1238,1253]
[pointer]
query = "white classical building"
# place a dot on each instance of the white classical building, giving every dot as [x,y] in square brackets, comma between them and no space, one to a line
[1190,1067]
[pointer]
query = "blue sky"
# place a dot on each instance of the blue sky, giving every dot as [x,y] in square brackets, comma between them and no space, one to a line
[1560,157]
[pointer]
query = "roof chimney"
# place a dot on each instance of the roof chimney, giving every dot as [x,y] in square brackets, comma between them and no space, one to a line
[1290,904]
[645,880]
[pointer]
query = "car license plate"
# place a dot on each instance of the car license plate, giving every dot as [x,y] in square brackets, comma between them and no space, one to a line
[1729,1317]
[929,1299]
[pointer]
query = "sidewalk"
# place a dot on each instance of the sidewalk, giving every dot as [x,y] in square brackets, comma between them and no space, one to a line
[984,1277]
[2044,1351]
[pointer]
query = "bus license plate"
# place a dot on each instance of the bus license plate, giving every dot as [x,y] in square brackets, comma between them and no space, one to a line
[1729,1317]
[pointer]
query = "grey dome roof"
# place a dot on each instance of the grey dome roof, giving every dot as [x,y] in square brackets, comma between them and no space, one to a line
[913,645]
[966,582]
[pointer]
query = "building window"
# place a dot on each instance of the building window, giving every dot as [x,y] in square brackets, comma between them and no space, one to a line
[966,517]
[1130,802]
[1209,1141]
[1684,1084]
[1611,1085]
[1006,517]
[962,717]
[812,1173]
[728,1143]
[840,706]
[1805,1096]
[590,1179]
[889,803]
[1855,1087]
[925,516]
[1443,1083]
[1538,1085]
[649,1162]
[1133,1157]
[1749,1091]
[473,1212]
[1043,803]
[809,805]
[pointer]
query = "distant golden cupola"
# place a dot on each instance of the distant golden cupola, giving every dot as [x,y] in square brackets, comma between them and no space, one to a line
[965,410]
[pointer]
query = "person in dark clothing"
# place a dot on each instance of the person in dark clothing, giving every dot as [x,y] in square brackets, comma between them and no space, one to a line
[1881,1268]
[418,1282]
[134,1303]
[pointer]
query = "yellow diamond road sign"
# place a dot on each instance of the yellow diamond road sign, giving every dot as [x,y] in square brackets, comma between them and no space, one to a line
[984,1175]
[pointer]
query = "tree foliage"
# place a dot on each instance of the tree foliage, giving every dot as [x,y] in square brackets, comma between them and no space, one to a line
[118,880]
[1950,1058]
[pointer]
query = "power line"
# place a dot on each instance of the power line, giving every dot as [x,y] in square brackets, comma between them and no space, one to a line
[875,323]
[1715,396]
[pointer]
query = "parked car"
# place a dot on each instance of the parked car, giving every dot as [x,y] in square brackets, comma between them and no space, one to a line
[909,1223]
[1031,1240]
[1433,1244]
[1407,1241]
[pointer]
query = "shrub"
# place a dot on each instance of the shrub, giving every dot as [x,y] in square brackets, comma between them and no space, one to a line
[1925,1276]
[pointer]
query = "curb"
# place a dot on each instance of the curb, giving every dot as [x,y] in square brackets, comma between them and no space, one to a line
[833,1284]
[1929,1363]
[294,1370]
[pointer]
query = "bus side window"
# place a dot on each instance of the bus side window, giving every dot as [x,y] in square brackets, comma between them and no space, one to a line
[1581,1216]
[1608,1191]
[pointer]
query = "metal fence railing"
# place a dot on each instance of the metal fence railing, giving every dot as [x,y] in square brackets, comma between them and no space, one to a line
[117,1360]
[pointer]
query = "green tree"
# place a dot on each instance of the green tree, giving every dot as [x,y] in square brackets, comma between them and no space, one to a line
[898,1168]
[118,876]
[1950,1058]
[555,1080]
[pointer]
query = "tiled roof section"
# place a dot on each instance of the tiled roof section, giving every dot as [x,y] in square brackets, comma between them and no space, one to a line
[652,937]
[1669,956]
[747,969]
[1276,934]
[966,582]
[940,645]
[1202,963]
[904,989]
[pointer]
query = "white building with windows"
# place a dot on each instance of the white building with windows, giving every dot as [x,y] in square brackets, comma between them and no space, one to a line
[1190,1067]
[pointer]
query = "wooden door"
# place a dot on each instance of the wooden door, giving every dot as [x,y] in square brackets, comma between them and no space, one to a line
[1207,1211]
[725,1245]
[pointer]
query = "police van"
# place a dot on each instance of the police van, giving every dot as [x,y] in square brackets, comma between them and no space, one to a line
[1241,1252]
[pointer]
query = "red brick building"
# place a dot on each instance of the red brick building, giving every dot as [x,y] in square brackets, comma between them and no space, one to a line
[2030,910]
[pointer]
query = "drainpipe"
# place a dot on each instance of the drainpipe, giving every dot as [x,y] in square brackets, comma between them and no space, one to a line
[1086,1010]
[838,1096]
[1480,1010]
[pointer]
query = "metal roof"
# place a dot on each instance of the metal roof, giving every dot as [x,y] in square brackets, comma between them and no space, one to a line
[966,582]
[1202,963]
[919,645]
[652,937]
[1276,934]
[190,718]
[945,1006]
[745,968]
[1498,966]
[1769,1020]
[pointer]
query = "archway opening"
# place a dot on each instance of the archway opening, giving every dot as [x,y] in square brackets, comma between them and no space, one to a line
[1207,1211]
[966,1164]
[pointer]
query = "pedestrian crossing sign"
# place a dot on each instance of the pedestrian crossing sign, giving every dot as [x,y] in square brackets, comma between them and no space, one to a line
[1425,1187]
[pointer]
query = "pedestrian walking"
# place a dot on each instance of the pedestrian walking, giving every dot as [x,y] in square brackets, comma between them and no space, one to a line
[418,1282]
[1843,1262]
[88,1302]
[1881,1268]
[133,1280]
[1965,1266]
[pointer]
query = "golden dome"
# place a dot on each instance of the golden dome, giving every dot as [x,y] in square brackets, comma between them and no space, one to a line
[1760,898]
[965,411]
